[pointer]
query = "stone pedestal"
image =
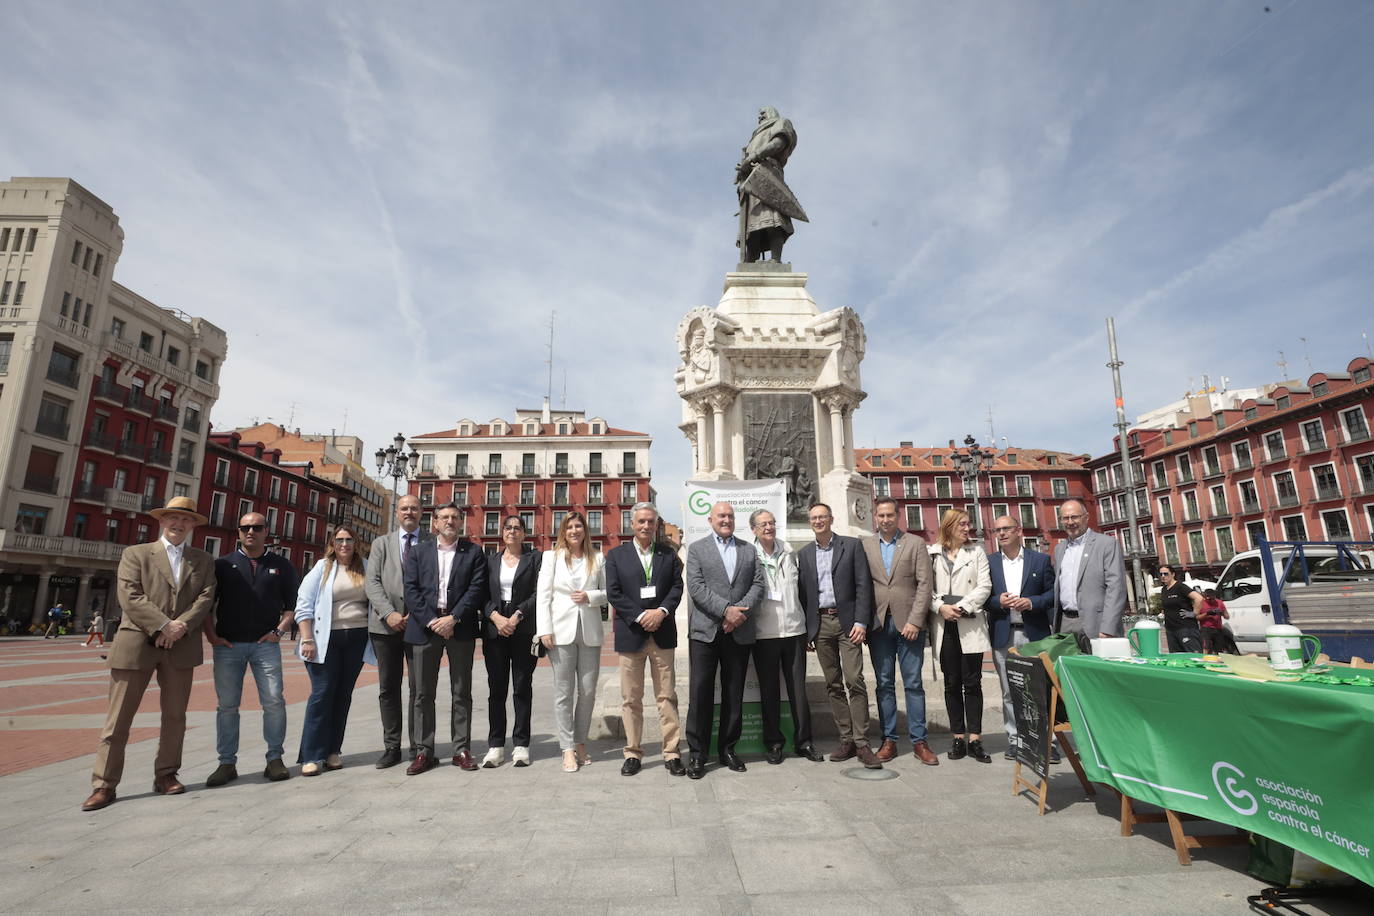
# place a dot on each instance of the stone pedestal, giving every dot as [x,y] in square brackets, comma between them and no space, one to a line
[769,385]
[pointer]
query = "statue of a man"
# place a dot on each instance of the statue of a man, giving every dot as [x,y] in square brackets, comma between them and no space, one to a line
[767,205]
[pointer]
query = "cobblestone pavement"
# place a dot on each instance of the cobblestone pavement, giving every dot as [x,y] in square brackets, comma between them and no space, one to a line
[797,837]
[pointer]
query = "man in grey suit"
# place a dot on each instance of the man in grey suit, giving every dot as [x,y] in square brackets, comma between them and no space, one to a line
[386,624]
[1090,577]
[726,582]
[837,593]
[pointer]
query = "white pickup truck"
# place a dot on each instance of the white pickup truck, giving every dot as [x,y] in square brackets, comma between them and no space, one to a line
[1328,591]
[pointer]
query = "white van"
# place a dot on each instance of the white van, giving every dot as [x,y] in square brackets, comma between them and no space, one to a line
[1246,594]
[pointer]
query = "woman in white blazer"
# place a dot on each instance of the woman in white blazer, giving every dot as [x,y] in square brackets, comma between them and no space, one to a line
[331,609]
[962,584]
[572,591]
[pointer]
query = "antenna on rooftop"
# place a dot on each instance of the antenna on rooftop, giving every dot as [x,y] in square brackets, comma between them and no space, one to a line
[1307,357]
[291,417]
[564,401]
[549,392]
[992,431]
[1283,366]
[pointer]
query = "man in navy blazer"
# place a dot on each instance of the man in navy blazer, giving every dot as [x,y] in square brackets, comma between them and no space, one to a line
[836,590]
[644,587]
[1019,607]
[443,620]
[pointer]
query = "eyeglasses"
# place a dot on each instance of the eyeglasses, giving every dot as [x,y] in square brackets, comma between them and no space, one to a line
[515,527]
[343,540]
[247,528]
[1003,530]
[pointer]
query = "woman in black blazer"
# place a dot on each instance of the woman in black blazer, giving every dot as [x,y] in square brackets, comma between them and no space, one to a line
[507,637]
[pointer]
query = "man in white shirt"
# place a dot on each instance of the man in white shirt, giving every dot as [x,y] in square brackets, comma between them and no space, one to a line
[1019,606]
[445,589]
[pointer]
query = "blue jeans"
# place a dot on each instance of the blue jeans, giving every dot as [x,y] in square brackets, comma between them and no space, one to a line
[230,664]
[331,694]
[887,649]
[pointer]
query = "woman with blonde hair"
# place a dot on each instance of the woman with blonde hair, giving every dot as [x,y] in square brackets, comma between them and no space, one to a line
[962,583]
[331,609]
[572,591]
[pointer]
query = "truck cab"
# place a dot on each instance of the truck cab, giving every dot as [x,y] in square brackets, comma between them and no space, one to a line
[1258,585]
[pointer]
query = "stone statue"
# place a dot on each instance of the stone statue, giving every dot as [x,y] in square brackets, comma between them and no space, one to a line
[701,357]
[766,205]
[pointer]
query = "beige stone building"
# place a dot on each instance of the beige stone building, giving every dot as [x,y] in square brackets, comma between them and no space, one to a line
[104,401]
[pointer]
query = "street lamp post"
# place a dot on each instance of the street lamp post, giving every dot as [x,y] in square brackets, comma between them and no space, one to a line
[969,464]
[393,462]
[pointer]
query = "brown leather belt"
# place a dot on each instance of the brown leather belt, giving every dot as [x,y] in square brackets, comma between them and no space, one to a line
[828,610]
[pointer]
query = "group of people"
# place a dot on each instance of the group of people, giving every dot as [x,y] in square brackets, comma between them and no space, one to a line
[424,596]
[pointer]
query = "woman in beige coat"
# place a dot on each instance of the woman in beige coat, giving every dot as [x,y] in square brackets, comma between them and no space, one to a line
[962,584]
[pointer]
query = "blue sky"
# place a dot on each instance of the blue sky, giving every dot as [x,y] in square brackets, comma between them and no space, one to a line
[382,203]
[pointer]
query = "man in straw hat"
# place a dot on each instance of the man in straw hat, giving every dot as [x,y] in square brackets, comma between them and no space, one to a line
[165,589]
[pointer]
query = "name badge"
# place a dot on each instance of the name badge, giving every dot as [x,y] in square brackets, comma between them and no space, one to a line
[774,595]
[648,591]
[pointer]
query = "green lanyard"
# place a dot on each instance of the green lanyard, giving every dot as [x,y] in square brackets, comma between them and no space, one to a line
[649,567]
[770,566]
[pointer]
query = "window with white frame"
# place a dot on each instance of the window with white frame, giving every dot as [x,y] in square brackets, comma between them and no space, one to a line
[913,518]
[1274,447]
[212,545]
[1294,528]
[911,487]
[1226,547]
[1190,510]
[1285,488]
[1197,548]
[942,490]
[1170,548]
[1023,486]
[1337,525]
[1026,515]
[998,485]
[880,487]
[1313,435]
[1364,473]
[1059,488]
[1166,511]
[1160,474]
[1185,469]
[1328,486]
[1240,454]
[1253,532]
[1354,423]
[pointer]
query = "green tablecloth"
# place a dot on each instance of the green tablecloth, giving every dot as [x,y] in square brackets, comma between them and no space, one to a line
[1291,761]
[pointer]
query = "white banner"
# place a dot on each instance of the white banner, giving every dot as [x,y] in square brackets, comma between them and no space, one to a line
[746,496]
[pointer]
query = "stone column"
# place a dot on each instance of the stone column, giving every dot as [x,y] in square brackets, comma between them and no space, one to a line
[40,599]
[703,438]
[848,411]
[835,405]
[81,613]
[720,402]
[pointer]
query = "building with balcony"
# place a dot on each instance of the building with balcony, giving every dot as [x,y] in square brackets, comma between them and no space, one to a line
[1295,464]
[104,397]
[335,458]
[243,476]
[541,465]
[1027,484]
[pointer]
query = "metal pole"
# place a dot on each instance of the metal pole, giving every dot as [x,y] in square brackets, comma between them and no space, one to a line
[1142,604]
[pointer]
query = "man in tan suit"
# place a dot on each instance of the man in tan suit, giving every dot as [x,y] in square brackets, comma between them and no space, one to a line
[165,589]
[902,583]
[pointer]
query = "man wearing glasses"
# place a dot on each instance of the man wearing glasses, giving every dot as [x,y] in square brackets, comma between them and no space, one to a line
[1091,593]
[1019,607]
[255,601]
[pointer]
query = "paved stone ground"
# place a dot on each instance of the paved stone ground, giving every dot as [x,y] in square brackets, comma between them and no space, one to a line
[797,837]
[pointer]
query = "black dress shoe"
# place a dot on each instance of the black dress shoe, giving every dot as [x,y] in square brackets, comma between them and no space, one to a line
[675,767]
[630,767]
[810,753]
[775,755]
[731,761]
[959,751]
[696,768]
[390,757]
[975,750]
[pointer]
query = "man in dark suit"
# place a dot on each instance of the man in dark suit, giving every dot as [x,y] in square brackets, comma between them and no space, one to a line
[255,602]
[837,594]
[725,581]
[165,589]
[386,623]
[1019,607]
[644,587]
[445,588]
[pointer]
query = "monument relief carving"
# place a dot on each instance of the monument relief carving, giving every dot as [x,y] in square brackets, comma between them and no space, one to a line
[780,442]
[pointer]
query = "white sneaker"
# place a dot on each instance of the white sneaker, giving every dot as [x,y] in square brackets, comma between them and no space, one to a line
[495,757]
[520,756]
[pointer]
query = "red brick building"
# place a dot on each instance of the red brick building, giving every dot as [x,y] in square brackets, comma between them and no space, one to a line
[540,466]
[241,477]
[1297,464]
[1027,484]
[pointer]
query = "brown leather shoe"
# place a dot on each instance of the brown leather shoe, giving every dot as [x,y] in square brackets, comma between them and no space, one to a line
[845,751]
[100,798]
[464,760]
[887,751]
[421,763]
[168,785]
[922,752]
[867,757]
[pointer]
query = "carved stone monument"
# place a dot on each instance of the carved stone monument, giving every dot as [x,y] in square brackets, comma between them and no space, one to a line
[769,384]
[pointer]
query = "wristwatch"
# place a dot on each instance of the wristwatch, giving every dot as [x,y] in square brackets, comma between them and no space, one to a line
[279,633]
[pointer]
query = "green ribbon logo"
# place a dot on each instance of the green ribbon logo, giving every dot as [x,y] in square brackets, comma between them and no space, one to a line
[699,503]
